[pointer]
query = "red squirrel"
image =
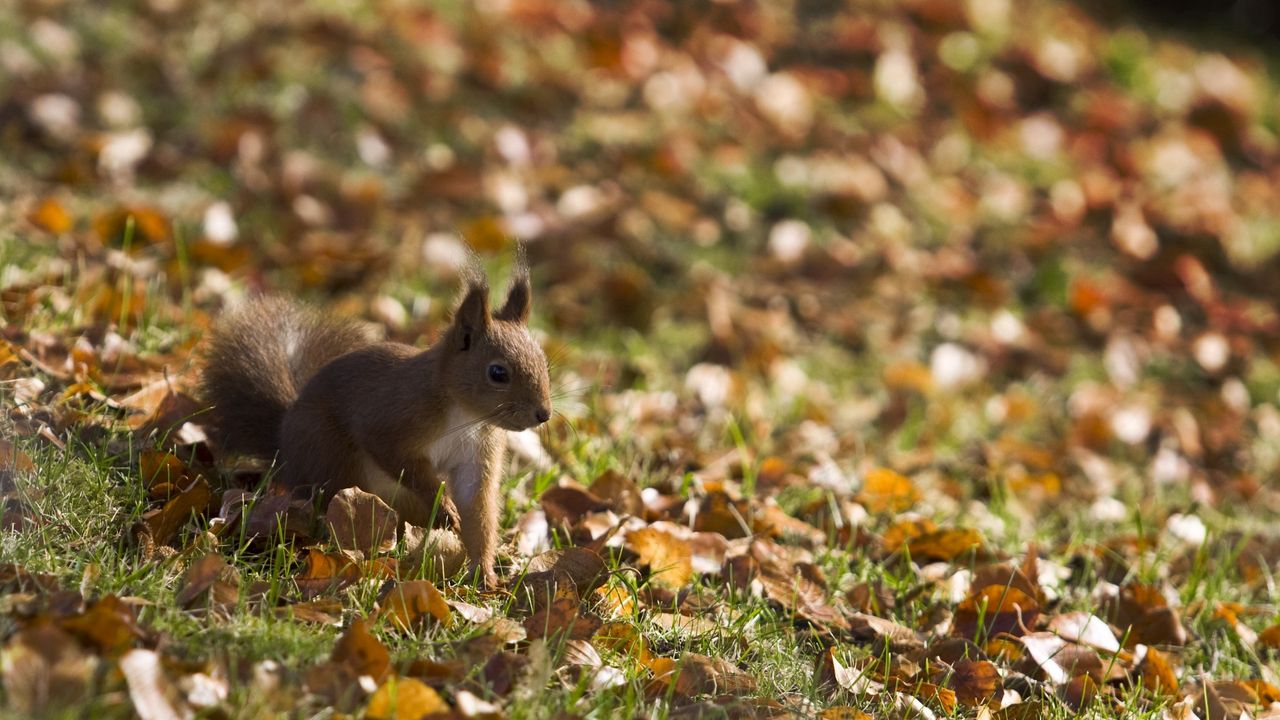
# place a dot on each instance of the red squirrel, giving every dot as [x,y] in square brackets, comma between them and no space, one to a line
[336,409]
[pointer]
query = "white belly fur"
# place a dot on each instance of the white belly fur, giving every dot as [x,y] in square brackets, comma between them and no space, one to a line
[458,442]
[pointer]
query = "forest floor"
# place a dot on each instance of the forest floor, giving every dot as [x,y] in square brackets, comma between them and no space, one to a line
[911,359]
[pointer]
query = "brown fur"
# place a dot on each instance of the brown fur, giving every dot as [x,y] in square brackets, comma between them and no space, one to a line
[390,418]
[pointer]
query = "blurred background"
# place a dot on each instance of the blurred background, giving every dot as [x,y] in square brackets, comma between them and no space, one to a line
[1029,240]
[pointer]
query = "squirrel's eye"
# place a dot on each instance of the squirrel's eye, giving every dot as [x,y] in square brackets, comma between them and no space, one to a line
[499,374]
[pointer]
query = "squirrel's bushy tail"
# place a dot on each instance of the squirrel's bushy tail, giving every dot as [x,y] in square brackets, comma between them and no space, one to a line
[258,358]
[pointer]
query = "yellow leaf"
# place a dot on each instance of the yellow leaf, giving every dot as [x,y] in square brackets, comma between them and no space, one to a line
[50,216]
[668,557]
[411,602]
[887,491]
[404,698]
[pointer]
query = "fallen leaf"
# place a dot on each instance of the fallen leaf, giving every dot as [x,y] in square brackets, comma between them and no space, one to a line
[50,216]
[361,652]
[108,625]
[696,675]
[944,545]
[668,557]
[404,698]
[45,670]
[161,525]
[408,604]
[209,582]
[154,696]
[567,503]
[581,569]
[884,490]
[619,491]
[361,521]
[976,683]
[995,609]
[561,618]
[324,572]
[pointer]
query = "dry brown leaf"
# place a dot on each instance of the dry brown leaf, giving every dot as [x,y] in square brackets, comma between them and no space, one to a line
[168,418]
[908,376]
[209,582]
[717,513]
[45,670]
[903,531]
[15,578]
[323,612]
[772,521]
[1143,616]
[869,628]
[324,572]
[132,226]
[160,526]
[410,603]
[940,697]
[361,521]
[361,652]
[109,625]
[995,609]
[275,515]
[625,639]
[561,617]
[619,491]
[162,469]
[804,593]
[567,503]
[843,713]
[976,683]
[832,675]
[13,461]
[696,675]
[580,568]
[686,626]
[1086,629]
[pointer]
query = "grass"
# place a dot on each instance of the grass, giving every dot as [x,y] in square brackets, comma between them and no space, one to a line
[811,347]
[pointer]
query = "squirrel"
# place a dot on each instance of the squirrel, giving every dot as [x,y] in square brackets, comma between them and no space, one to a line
[337,409]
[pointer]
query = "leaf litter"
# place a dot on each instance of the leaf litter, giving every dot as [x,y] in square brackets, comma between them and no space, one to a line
[976,413]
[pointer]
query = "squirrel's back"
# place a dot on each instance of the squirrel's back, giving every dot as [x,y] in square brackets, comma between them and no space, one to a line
[258,358]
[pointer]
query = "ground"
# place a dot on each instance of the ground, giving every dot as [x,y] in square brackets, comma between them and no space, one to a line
[910,359]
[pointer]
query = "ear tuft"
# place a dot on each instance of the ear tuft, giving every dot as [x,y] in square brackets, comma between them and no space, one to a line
[516,308]
[472,315]
[519,293]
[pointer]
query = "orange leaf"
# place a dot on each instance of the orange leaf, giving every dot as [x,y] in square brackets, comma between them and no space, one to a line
[135,225]
[404,698]
[50,216]
[976,682]
[410,603]
[158,467]
[161,525]
[362,652]
[668,557]
[884,490]
[944,545]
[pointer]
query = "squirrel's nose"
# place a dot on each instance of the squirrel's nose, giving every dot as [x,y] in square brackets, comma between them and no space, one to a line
[542,415]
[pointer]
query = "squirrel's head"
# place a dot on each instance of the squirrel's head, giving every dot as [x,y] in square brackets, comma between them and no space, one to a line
[498,369]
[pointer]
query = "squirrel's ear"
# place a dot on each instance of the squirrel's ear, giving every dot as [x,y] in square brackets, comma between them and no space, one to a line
[472,315]
[516,308]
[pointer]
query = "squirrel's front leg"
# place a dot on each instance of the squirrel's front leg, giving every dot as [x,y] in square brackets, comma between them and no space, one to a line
[474,487]
[415,491]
